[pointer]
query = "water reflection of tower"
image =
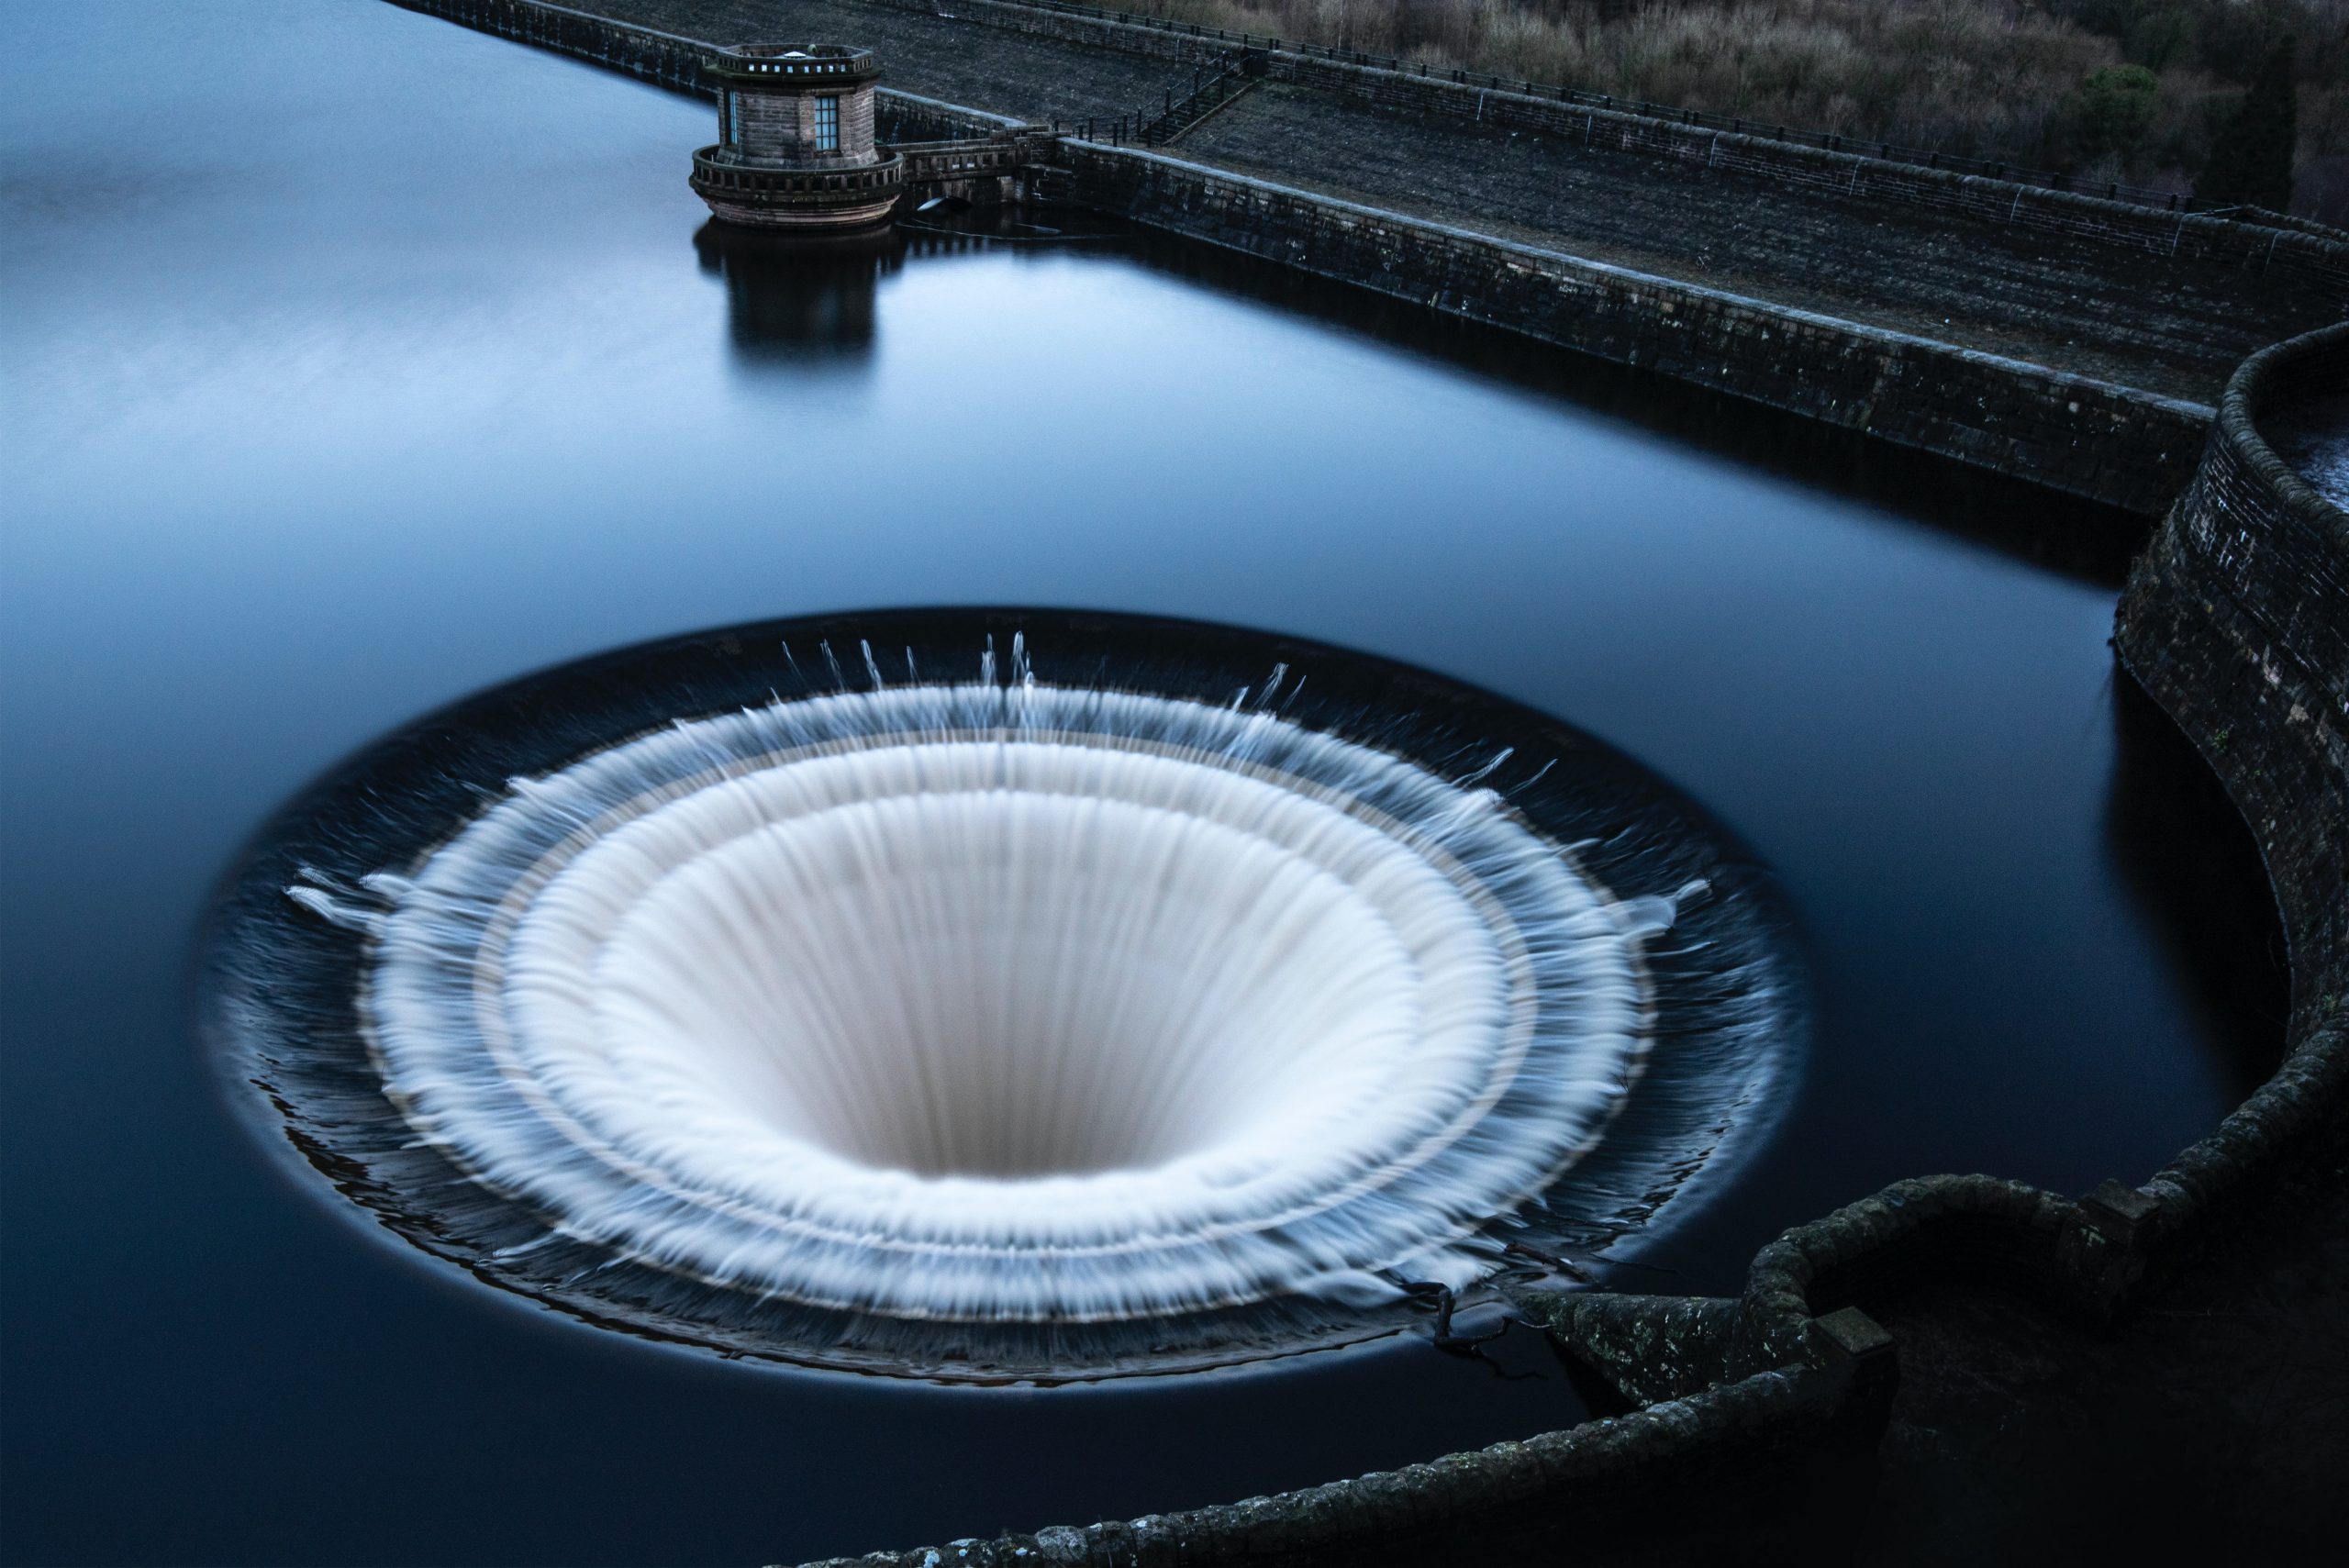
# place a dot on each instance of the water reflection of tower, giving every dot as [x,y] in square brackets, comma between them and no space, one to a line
[798,301]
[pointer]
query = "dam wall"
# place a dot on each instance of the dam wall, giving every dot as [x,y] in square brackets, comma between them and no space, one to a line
[2111,443]
[2292,260]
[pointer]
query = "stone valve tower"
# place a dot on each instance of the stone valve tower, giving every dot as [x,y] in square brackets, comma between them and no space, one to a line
[795,148]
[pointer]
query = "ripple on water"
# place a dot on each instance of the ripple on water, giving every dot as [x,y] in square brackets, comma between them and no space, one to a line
[1013,1025]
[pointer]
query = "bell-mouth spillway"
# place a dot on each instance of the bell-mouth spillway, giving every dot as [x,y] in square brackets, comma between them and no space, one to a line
[1007,995]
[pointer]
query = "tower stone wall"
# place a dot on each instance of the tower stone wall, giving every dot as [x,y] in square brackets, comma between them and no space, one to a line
[795,148]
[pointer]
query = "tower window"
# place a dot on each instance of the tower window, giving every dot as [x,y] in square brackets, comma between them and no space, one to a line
[828,123]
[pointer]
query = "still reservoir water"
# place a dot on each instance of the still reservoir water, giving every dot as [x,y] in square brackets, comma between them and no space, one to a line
[356,361]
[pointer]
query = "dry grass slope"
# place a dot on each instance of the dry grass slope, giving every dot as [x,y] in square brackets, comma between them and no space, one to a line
[2131,90]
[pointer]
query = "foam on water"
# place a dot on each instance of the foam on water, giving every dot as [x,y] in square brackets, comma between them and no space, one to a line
[1011,1006]
[1008,1003]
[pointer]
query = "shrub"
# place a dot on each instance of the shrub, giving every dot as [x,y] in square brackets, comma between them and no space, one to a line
[2116,108]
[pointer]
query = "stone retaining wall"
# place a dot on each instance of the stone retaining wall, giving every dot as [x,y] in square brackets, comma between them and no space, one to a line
[2294,259]
[2237,621]
[2112,443]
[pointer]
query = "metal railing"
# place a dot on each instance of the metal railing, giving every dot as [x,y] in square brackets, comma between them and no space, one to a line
[1210,90]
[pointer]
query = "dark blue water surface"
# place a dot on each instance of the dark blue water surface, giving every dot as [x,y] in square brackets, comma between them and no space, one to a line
[354,361]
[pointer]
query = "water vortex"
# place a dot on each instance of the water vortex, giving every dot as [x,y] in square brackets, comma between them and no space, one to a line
[1002,1025]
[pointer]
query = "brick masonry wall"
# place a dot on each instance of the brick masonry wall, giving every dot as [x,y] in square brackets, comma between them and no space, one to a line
[2088,437]
[781,126]
[767,125]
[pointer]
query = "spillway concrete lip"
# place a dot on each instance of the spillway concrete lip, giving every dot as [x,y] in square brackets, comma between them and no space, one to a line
[293,1027]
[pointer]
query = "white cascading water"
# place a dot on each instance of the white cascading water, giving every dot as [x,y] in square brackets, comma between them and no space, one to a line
[1009,1002]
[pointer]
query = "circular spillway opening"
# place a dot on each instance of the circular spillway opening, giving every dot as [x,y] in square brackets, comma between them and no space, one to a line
[998,984]
[1013,1026]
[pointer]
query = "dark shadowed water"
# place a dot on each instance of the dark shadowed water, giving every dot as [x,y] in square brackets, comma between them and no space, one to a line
[355,361]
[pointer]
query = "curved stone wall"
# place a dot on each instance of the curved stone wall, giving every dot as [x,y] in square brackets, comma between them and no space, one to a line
[2237,621]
